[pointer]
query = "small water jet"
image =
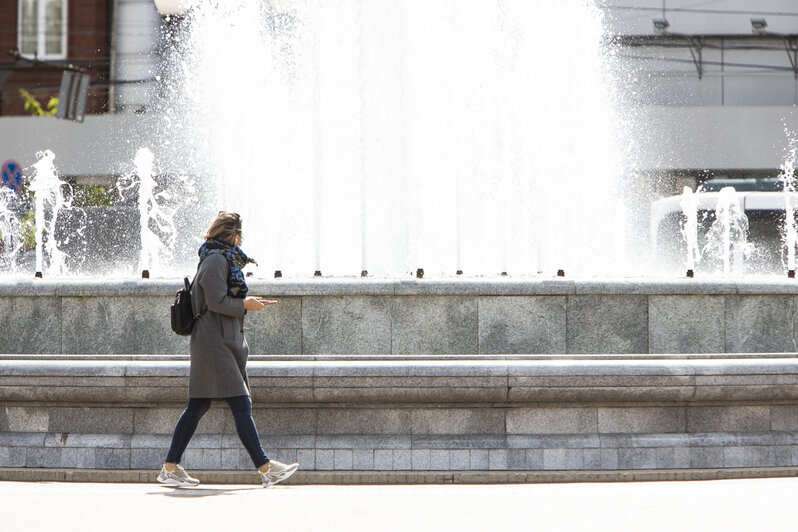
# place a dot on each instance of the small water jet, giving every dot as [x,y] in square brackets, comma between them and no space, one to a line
[689,205]
[727,238]
[11,240]
[790,233]
[156,217]
[50,200]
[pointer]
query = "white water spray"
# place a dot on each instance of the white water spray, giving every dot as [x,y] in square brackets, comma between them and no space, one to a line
[393,135]
[727,239]
[156,223]
[49,200]
[787,178]
[689,204]
[10,229]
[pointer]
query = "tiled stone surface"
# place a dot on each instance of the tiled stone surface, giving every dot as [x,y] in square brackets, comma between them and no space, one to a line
[457,421]
[420,459]
[552,420]
[151,325]
[641,420]
[609,459]
[756,324]
[307,458]
[342,459]
[419,436]
[439,460]
[30,325]
[325,459]
[627,456]
[107,324]
[522,324]
[497,459]
[607,324]
[363,421]
[686,324]
[443,325]
[277,329]
[728,419]
[362,459]
[346,325]
[112,458]
[91,420]
[383,459]
[24,419]
[13,456]
[784,417]
[417,317]
[645,458]
[402,459]
[459,460]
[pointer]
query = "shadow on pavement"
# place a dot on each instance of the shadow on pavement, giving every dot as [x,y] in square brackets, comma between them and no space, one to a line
[184,492]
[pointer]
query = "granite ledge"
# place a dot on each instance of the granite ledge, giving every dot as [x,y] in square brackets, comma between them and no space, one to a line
[66,287]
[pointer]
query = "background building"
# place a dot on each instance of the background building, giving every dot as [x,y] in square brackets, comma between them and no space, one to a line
[709,88]
[39,38]
[712,86]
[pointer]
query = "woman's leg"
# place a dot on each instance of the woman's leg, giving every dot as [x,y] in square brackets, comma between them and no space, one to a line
[242,414]
[185,428]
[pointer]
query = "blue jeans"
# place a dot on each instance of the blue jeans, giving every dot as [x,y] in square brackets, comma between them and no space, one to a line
[242,414]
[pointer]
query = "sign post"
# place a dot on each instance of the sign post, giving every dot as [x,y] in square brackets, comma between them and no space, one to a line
[11,176]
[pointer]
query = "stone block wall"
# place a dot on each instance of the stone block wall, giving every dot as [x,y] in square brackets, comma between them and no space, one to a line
[416,414]
[421,317]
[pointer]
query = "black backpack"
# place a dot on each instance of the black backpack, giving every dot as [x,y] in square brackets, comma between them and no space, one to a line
[183,317]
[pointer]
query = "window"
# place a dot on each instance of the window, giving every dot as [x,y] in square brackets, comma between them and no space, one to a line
[42,29]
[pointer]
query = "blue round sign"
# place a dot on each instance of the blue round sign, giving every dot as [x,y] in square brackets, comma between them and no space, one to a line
[12,175]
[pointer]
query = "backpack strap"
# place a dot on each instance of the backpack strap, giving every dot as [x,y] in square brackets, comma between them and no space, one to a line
[189,286]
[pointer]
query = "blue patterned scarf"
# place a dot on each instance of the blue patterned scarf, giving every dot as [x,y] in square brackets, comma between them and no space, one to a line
[236,286]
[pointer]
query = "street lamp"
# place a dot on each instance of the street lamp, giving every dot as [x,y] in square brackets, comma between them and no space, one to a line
[661,24]
[759,25]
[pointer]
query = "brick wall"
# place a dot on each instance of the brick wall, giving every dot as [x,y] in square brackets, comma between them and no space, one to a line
[87,47]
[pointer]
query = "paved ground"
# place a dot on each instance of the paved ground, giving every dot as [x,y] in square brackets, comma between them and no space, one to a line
[750,505]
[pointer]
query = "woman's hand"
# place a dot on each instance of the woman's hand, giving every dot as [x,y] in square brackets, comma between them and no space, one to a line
[257,303]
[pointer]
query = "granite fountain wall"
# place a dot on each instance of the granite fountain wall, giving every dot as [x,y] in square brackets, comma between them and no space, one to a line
[416,317]
[413,381]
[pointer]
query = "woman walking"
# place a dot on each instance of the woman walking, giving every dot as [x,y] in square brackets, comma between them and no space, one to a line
[219,352]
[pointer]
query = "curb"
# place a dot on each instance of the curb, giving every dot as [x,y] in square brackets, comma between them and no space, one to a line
[401,477]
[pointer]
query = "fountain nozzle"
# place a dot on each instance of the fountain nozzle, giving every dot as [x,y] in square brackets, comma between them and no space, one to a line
[420,273]
[364,273]
[560,273]
[459,272]
[317,273]
[690,274]
[38,275]
[145,274]
[277,274]
[791,274]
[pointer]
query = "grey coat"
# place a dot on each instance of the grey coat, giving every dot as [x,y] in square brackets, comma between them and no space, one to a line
[218,349]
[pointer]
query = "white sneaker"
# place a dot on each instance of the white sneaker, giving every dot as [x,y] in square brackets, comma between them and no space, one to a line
[277,472]
[176,477]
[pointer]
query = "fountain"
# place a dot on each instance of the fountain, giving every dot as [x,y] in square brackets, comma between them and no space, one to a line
[787,177]
[392,136]
[689,206]
[10,229]
[387,140]
[49,200]
[727,238]
[156,217]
